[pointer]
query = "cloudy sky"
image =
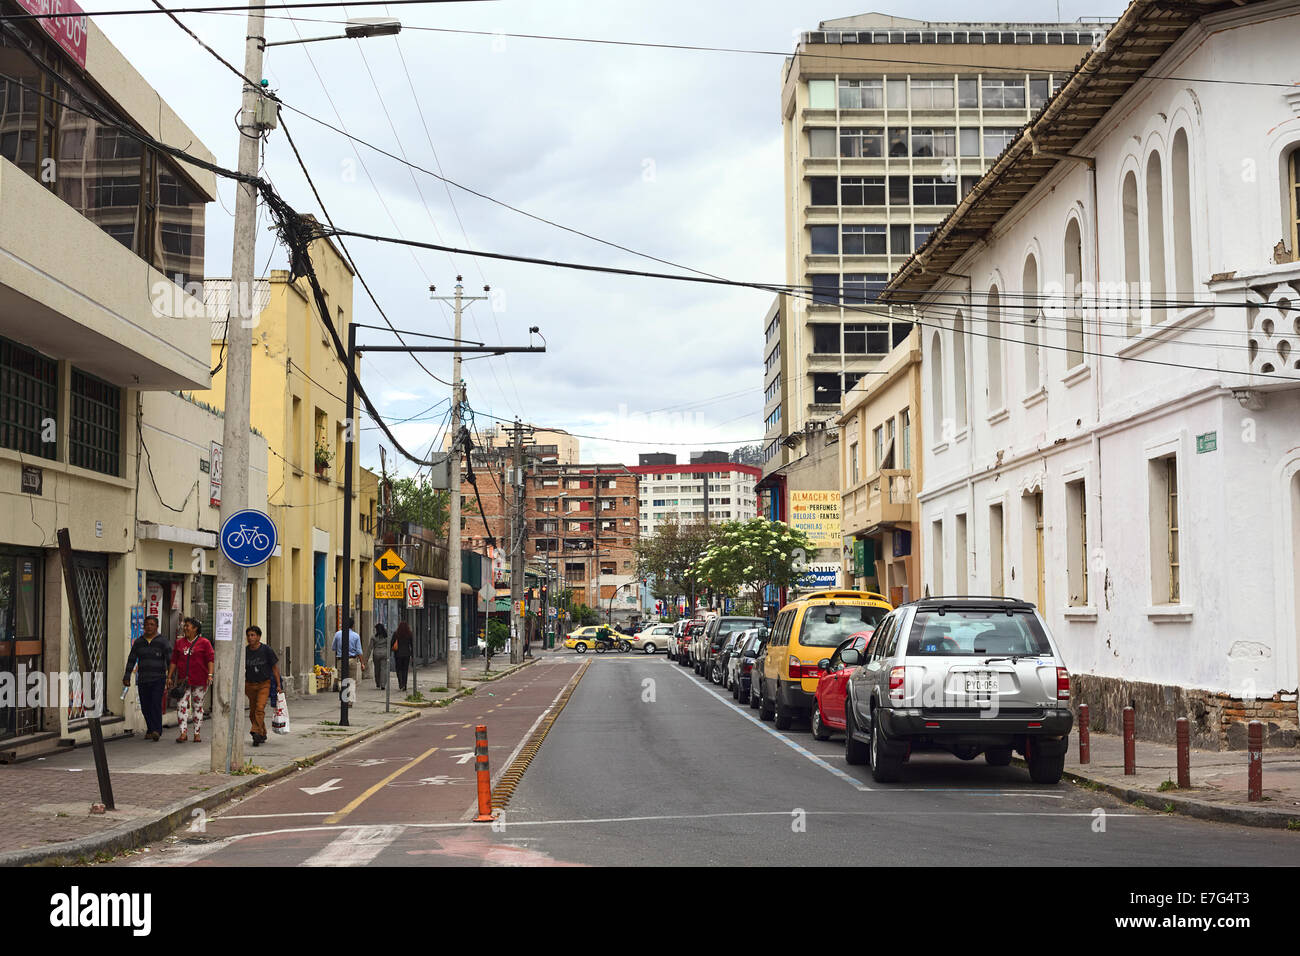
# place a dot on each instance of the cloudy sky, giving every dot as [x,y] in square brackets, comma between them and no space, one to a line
[671,153]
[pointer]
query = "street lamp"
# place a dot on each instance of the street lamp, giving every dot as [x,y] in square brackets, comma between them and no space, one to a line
[355,30]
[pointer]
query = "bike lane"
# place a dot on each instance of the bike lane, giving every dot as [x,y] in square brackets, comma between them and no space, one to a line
[421,772]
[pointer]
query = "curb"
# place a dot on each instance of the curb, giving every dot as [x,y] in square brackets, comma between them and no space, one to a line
[487,679]
[131,835]
[1154,801]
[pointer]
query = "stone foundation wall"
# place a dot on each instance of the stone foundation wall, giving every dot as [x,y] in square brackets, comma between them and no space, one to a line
[1217,721]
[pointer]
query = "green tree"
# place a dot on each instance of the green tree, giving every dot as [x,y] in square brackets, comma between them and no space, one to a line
[668,558]
[417,502]
[754,555]
[495,638]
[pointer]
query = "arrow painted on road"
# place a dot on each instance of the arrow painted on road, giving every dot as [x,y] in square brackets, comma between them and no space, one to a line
[440,780]
[325,787]
[465,758]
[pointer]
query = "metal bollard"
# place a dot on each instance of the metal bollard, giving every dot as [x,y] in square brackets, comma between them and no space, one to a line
[1130,759]
[484,775]
[1085,745]
[1255,749]
[1183,735]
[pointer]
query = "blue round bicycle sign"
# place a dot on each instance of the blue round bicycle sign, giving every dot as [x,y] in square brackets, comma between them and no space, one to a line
[248,538]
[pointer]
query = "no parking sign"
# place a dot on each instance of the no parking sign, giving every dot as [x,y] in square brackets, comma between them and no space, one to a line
[415,593]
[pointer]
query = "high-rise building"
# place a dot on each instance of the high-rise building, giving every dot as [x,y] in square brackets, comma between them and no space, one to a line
[888,123]
[673,492]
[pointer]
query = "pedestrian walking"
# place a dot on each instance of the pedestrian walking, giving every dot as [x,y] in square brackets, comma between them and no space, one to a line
[151,653]
[379,651]
[261,673]
[355,659]
[191,671]
[403,642]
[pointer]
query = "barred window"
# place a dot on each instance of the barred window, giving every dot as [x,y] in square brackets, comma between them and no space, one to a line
[29,388]
[95,424]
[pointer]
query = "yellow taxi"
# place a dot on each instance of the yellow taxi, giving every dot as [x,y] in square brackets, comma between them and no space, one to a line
[806,632]
[584,638]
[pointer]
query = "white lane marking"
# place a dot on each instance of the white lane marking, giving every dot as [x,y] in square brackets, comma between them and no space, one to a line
[502,768]
[848,778]
[325,787]
[185,855]
[356,847]
[271,816]
[191,854]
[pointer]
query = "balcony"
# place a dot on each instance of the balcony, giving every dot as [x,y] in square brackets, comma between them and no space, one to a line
[72,291]
[885,498]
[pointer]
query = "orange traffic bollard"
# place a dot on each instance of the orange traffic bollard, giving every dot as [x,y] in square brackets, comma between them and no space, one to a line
[484,775]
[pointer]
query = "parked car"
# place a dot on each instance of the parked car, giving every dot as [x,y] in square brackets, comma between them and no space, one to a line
[708,645]
[718,670]
[653,639]
[806,630]
[688,636]
[741,665]
[832,686]
[756,673]
[963,674]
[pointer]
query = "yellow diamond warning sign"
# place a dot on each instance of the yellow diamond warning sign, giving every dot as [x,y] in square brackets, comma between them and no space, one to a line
[390,564]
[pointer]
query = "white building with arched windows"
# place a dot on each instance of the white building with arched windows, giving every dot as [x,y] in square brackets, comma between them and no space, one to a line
[1110,333]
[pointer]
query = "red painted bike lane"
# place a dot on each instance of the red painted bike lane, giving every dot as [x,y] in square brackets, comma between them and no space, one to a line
[421,771]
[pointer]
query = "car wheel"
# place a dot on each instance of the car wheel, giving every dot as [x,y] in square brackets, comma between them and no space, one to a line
[782,718]
[753,695]
[819,730]
[764,711]
[735,691]
[715,674]
[580,648]
[884,768]
[649,648]
[855,751]
[1046,769]
[997,756]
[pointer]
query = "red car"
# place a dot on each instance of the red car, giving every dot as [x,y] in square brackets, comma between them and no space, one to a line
[828,711]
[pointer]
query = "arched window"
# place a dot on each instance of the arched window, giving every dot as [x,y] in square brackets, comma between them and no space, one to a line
[993,326]
[1155,236]
[1132,266]
[959,368]
[1031,310]
[1181,191]
[1293,201]
[1073,295]
[936,385]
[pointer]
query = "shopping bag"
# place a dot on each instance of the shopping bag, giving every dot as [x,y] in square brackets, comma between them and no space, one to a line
[280,722]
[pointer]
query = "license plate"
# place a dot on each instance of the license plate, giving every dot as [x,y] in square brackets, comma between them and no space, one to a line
[981,685]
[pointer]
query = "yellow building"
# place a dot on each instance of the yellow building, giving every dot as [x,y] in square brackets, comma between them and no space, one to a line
[298,404]
[880,474]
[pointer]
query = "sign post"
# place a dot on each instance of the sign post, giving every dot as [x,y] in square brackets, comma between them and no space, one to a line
[247,539]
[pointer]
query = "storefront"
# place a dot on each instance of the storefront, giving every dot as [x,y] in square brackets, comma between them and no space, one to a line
[22,574]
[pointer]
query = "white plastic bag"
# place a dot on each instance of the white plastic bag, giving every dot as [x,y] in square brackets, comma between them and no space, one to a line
[280,721]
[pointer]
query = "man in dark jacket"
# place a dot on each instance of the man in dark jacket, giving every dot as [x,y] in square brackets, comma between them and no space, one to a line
[152,653]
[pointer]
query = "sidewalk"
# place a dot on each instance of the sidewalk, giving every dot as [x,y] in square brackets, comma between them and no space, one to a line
[1218,778]
[159,785]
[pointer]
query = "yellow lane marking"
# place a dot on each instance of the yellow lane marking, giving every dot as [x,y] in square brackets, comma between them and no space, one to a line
[451,736]
[377,787]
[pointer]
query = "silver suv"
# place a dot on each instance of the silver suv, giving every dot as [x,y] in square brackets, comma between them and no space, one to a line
[967,675]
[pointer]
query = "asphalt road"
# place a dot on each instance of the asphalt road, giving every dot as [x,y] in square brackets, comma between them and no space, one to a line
[648,764]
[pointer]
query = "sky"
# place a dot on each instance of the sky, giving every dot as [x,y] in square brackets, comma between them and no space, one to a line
[672,153]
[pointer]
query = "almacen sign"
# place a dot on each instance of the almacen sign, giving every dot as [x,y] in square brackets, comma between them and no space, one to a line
[817,514]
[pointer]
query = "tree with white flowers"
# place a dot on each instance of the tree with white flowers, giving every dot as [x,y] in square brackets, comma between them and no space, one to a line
[753,555]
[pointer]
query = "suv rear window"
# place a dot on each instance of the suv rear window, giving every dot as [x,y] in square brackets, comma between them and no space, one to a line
[846,621]
[972,633]
[742,624]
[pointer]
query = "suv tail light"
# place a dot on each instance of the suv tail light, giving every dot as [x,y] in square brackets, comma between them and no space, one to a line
[1062,684]
[796,668]
[896,678]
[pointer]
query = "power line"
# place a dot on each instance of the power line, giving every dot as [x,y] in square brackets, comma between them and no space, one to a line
[219,9]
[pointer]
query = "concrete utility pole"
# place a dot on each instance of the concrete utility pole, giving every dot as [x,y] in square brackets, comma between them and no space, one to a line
[453,509]
[517,628]
[230,613]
